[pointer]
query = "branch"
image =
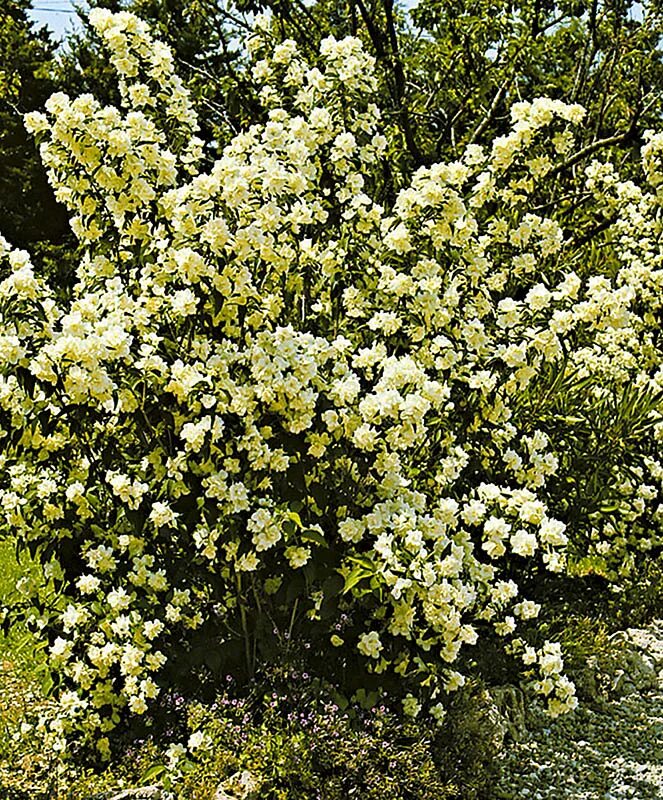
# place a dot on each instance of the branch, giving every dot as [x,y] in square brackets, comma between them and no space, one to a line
[485,122]
[618,138]
[399,77]
[373,32]
[578,241]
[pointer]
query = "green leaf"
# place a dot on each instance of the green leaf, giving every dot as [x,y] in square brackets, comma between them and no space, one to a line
[333,585]
[319,494]
[214,660]
[365,561]
[295,589]
[153,772]
[341,700]
[47,683]
[311,535]
[293,516]
[608,508]
[136,519]
[329,607]
[357,575]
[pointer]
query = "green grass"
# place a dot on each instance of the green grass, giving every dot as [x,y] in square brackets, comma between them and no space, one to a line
[22,769]
[19,645]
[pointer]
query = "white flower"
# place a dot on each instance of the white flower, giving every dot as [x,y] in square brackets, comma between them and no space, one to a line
[298,556]
[527,609]
[370,645]
[438,712]
[552,532]
[88,584]
[196,740]
[60,649]
[118,599]
[162,515]
[454,682]
[175,752]
[137,704]
[411,706]
[551,661]
[523,543]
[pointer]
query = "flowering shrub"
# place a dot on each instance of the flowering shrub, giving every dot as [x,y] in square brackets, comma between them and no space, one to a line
[275,403]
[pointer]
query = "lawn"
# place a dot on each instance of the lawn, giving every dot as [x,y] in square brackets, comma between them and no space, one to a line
[24,771]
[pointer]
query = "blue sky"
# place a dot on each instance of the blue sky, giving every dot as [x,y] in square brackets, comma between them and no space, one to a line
[58,15]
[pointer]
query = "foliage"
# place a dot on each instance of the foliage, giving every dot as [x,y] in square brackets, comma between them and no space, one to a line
[276,409]
[29,212]
[591,655]
[298,750]
[29,768]
[207,43]
[482,56]
[448,74]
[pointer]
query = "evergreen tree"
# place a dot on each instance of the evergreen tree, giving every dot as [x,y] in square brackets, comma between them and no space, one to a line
[29,212]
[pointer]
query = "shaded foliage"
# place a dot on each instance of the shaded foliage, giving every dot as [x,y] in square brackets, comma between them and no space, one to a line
[29,212]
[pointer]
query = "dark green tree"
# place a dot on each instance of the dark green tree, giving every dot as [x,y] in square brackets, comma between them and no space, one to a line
[29,212]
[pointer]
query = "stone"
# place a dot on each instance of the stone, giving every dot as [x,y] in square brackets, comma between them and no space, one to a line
[510,703]
[587,680]
[638,663]
[472,741]
[486,721]
[141,793]
[240,786]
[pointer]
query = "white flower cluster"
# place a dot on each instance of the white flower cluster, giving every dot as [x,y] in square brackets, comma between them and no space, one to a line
[261,363]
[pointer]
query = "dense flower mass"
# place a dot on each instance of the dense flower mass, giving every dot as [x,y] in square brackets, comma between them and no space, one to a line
[268,370]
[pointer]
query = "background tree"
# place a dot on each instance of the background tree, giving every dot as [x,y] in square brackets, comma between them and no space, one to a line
[470,61]
[450,70]
[30,214]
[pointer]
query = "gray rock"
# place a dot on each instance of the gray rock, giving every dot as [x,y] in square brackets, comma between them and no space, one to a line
[637,664]
[645,640]
[588,680]
[485,715]
[510,704]
[472,741]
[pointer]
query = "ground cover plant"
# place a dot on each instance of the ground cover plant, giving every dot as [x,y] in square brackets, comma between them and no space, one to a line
[281,410]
